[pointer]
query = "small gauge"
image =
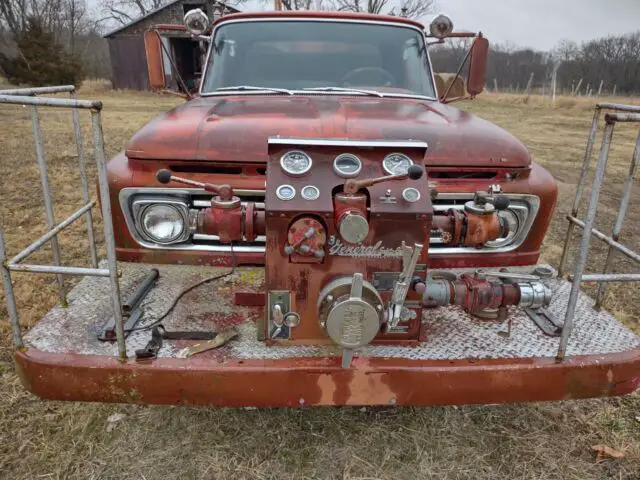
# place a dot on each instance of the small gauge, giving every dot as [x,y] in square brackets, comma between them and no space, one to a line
[411,195]
[396,163]
[295,163]
[285,192]
[310,192]
[347,165]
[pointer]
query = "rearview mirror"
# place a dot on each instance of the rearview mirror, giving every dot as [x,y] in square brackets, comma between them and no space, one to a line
[477,66]
[155,66]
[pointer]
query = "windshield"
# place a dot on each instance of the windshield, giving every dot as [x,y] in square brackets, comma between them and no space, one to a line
[330,57]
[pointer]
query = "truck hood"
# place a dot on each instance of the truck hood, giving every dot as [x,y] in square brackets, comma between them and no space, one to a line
[236,129]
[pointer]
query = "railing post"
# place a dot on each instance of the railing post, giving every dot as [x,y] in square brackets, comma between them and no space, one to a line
[8,291]
[98,144]
[622,212]
[83,182]
[581,181]
[46,191]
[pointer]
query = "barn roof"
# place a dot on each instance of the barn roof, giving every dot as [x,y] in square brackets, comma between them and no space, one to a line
[153,12]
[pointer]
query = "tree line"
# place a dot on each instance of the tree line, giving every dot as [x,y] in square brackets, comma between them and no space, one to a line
[606,65]
[609,65]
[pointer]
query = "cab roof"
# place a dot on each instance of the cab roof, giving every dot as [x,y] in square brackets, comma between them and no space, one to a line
[321,15]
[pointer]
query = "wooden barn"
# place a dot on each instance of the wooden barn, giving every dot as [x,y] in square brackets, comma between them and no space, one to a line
[126,44]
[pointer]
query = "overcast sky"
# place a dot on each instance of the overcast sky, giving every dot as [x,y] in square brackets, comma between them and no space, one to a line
[539,24]
[542,23]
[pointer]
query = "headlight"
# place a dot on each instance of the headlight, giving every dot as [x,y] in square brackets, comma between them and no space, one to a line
[162,223]
[161,220]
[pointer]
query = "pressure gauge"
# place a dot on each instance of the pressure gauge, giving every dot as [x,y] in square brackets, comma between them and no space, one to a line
[347,165]
[310,192]
[411,195]
[295,163]
[396,163]
[285,192]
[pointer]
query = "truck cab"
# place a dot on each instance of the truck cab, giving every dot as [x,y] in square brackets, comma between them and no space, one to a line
[355,78]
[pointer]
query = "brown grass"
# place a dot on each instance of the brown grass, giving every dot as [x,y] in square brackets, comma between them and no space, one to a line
[72,440]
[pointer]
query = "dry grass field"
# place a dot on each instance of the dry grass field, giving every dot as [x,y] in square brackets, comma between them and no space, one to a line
[530,441]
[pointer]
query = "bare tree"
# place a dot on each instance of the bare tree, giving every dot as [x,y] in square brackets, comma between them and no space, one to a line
[126,11]
[65,19]
[404,8]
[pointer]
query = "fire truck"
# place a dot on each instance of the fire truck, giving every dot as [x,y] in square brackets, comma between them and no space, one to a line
[318,225]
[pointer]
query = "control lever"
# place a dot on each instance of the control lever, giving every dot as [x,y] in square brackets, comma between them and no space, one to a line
[401,287]
[354,294]
[224,191]
[352,185]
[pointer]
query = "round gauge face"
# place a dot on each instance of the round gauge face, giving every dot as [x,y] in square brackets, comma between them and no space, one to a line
[310,192]
[411,194]
[347,165]
[396,163]
[285,192]
[295,163]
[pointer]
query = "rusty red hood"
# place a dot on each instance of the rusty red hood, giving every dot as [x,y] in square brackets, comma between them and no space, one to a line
[236,128]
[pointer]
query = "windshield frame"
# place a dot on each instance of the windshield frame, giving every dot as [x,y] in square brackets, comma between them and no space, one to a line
[307,92]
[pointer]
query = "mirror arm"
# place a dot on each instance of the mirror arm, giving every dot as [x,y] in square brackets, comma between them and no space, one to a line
[457,99]
[443,97]
[175,94]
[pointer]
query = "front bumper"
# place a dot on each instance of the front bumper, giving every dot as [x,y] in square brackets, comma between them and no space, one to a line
[321,381]
[459,361]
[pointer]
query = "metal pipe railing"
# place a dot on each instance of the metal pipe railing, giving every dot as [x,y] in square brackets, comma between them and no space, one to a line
[46,193]
[610,277]
[579,189]
[607,239]
[617,228]
[84,183]
[50,234]
[621,107]
[587,225]
[81,271]
[109,239]
[50,102]
[8,292]
[26,97]
[586,238]
[39,90]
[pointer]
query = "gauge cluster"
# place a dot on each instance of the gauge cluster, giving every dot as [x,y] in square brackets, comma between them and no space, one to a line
[296,164]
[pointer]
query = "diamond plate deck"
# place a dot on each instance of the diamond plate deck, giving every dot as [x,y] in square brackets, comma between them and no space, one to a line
[451,334]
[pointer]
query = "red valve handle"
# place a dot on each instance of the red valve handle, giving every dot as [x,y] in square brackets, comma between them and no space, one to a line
[224,191]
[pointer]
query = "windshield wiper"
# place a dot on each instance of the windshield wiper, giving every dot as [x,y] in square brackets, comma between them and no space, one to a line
[345,90]
[252,88]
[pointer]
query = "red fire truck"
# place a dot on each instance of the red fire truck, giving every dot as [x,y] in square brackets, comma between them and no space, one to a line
[317,225]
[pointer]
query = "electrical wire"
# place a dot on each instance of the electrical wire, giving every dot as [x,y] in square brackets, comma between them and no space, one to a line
[173,305]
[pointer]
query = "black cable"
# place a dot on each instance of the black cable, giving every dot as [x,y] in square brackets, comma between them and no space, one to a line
[159,320]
